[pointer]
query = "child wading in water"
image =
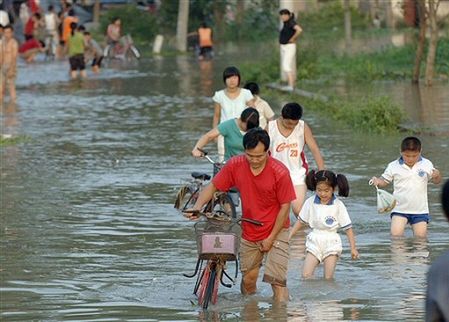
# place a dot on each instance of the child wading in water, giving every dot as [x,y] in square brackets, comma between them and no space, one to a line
[410,175]
[325,214]
[76,51]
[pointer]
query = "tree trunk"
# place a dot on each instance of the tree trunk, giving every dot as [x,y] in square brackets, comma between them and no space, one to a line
[348,31]
[219,9]
[240,13]
[183,21]
[421,40]
[430,63]
[97,12]
[389,14]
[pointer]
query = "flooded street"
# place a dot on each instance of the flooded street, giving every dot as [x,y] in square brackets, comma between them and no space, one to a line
[88,228]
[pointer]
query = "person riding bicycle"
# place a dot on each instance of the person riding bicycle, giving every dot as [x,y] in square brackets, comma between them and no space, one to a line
[114,31]
[232,130]
[267,191]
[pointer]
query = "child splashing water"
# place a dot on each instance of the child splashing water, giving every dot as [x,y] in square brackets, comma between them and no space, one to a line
[325,214]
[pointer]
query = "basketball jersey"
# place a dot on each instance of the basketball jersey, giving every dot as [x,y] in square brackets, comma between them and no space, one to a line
[289,150]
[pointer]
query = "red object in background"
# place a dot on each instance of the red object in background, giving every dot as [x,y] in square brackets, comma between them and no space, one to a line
[410,13]
[29,44]
[34,7]
[29,27]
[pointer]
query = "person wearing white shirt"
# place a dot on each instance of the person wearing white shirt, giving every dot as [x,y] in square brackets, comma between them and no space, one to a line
[230,102]
[51,28]
[265,111]
[410,175]
[4,18]
[325,214]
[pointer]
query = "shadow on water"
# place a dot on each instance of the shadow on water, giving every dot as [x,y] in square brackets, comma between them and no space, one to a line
[88,229]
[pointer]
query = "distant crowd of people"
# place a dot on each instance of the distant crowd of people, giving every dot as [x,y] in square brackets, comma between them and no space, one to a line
[57,36]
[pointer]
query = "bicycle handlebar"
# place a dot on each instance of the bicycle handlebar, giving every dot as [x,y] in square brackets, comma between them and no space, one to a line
[206,155]
[221,216]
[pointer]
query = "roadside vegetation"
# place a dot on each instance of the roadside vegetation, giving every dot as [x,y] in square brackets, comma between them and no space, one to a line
[7,141]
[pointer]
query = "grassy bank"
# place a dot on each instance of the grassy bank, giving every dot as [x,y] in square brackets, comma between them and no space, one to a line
[8,141]
[367,115]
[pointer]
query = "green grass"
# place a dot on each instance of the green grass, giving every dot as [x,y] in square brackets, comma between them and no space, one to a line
[8,141]
[367,115]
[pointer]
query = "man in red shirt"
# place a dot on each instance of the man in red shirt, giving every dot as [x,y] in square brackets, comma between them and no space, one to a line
[266,191]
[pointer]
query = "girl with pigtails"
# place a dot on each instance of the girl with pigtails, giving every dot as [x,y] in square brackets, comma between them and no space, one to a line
[325,214]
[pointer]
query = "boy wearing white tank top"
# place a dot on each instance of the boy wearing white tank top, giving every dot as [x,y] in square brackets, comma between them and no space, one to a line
[288,136]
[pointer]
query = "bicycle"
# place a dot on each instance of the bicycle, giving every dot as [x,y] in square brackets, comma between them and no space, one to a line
[217,243]
[188,194]
[122,49]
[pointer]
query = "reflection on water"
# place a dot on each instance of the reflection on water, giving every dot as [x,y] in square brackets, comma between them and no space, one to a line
[88,228]
[428,107]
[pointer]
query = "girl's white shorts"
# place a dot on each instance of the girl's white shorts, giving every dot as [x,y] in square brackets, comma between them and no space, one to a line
[321,244]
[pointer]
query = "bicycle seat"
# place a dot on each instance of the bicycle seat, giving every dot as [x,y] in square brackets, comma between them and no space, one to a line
[201,176]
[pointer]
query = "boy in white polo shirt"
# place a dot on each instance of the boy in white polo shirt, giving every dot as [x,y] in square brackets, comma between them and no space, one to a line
[410,175]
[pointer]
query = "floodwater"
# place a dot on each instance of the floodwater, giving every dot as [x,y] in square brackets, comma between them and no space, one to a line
[88,228]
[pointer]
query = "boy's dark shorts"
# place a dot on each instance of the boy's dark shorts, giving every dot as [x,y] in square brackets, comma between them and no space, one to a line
[77,62]
[412,219]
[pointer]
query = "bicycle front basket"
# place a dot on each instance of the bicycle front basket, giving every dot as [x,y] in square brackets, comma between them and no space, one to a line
[213,244]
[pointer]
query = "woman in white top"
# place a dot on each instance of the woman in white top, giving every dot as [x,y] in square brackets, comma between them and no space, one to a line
[288,136]
[230,102]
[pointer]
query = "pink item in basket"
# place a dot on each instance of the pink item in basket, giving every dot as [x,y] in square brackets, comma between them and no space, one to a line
[218,243]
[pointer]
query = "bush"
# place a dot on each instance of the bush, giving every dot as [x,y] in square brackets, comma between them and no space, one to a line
[379,115]
[261,72]
[141,25]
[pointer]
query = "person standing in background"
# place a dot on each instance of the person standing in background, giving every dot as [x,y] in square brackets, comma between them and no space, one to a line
[66,28]
[92,51]
[51,30]
[8,63]
[205,41]
[265,112]
[75,45]
[287,39]
[4,18]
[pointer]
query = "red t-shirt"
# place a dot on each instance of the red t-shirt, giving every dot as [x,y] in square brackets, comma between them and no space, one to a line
[29,44]
[262,195]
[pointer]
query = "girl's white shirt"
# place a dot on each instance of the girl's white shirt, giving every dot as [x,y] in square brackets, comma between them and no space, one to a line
[325,218]
[232,108]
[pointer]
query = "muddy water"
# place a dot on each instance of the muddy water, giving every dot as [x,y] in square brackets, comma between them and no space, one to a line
[88,230]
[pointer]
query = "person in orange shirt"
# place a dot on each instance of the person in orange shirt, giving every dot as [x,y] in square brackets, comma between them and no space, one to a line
[205,41]
[66,30]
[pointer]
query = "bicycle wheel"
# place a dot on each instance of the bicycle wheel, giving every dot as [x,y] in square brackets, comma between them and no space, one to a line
[108,52]
[222,202]
[210,288]
[219,272]
[134,51]
[201,291]
[185,198]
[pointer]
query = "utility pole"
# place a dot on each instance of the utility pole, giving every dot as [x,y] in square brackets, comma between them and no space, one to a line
[183,22]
